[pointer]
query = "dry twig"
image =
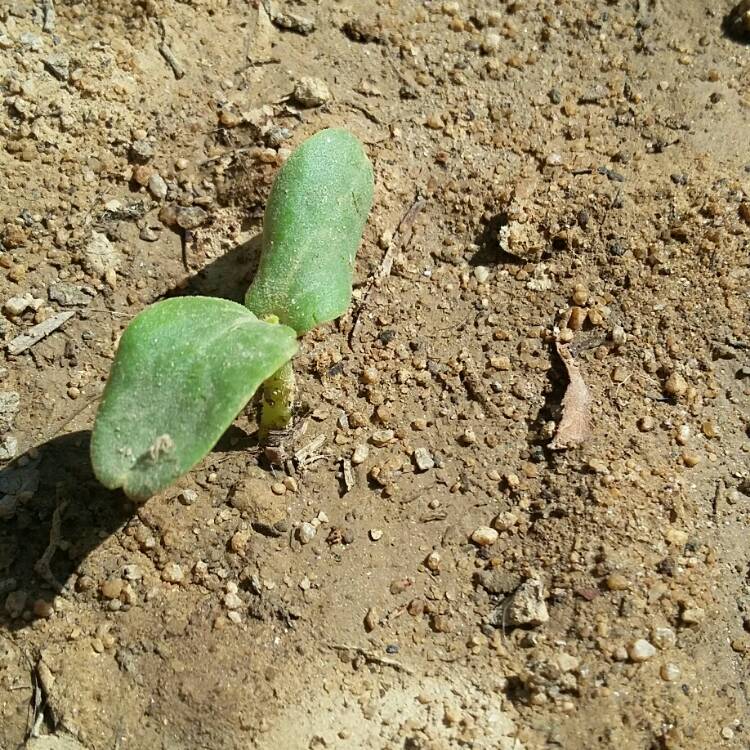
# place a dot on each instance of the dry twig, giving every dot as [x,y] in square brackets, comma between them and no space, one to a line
[372,658]
[42,565]
[166,52]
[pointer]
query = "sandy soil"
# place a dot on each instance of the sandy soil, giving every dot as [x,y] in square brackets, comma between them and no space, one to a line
[547,171]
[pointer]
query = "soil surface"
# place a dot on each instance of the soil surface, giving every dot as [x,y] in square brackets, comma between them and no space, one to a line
[449,558]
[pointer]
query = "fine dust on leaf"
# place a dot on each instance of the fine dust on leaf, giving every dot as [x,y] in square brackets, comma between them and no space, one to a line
[575,425]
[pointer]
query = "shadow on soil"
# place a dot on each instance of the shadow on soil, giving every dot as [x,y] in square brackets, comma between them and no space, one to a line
[53,511]
[227,276]
[736,24]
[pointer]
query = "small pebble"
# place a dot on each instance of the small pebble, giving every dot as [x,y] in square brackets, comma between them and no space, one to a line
[306,532]
[683,434]
[376,534]
[434,121]
[467,437]
[311,92]
[191,217]
[618,336]
[669,672]
[278,488]
[381,438]
[188,497]
[568,663]
[232,601]
[690,458]
[371,620]
[675,385]
[423,459]
[505,521]
[580,295]
[141,151]
[433,561]
[112,588]
[141,175]
[663,637]
[239,541]
[641,650]
[484,536]
[172,573]
[693,615]
[132,573]
[157,186]
[617,582]
[360,454]
[481,274]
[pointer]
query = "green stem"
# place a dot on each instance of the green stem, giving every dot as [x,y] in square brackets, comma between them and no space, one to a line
[277,405]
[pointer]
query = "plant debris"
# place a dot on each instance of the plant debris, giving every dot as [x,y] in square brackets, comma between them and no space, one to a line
[575,426]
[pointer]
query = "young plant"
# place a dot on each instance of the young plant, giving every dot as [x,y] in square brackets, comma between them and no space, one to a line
[186,367]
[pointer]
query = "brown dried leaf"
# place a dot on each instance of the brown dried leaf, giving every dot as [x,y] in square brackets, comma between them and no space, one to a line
[575,425]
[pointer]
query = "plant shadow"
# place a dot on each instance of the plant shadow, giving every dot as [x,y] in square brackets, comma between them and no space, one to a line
[735,24]
[489,252]
[50,492]
[52,504]
[227,276]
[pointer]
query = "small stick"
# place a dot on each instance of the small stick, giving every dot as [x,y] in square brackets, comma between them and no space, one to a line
[42,565]
[348,474]
[373,658]
[309,453]
[36,333]
[166,52]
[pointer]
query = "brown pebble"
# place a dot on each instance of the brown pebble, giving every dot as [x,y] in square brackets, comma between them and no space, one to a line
[239,541]
[168,215]
[690,458]
[415,608]
[617,582]
[675,385]
[434,121]
[43,608]
[440,624]
[580,295]
[112,588]
[576,318]
[371,620]
[141,175]
[400,585]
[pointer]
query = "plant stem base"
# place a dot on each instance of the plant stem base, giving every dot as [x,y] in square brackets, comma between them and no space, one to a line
[277,406]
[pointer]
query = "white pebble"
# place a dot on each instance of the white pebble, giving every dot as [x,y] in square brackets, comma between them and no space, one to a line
[306,532]
[157,186]
[663,637]
[361,452]
[670,672]
[172,573]
[641,650]
[484,536]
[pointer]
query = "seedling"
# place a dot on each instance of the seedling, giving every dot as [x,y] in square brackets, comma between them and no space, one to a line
[186,367]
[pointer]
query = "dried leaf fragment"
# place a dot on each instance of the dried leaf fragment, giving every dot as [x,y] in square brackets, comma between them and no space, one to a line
[575,425]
